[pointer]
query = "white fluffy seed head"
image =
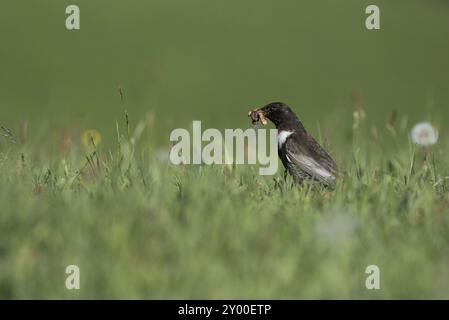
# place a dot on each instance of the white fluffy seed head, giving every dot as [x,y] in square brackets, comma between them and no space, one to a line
[424,134]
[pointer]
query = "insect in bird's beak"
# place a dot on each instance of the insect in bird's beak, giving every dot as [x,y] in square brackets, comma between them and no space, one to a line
[256,115]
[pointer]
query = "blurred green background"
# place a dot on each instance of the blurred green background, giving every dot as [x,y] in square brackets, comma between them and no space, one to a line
[213,60]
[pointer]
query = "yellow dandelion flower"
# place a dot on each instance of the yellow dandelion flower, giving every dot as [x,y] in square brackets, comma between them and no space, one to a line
[91,138]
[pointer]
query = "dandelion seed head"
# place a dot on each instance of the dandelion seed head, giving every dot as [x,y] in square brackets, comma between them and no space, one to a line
[163,155]
[424,134]
[337,229]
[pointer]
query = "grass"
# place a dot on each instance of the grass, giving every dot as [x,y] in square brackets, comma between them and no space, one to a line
[139,227]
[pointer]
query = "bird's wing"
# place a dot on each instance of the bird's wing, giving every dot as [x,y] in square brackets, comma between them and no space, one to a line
[313,160]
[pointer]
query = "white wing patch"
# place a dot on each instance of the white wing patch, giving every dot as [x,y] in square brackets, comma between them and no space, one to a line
[282,137]
[314,168]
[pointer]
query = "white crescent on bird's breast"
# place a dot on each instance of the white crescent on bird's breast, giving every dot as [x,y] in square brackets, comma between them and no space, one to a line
[282,137]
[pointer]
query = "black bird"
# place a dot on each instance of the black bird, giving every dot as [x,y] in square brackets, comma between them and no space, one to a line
[301,155]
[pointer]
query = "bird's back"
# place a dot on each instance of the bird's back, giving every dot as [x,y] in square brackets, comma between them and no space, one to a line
[304,158]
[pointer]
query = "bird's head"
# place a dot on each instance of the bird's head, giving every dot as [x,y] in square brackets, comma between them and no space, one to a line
[277,112]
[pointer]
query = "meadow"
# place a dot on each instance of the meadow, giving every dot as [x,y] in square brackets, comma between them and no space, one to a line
[140,227]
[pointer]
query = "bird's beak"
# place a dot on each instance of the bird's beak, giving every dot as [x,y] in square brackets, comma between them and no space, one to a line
[257,115]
